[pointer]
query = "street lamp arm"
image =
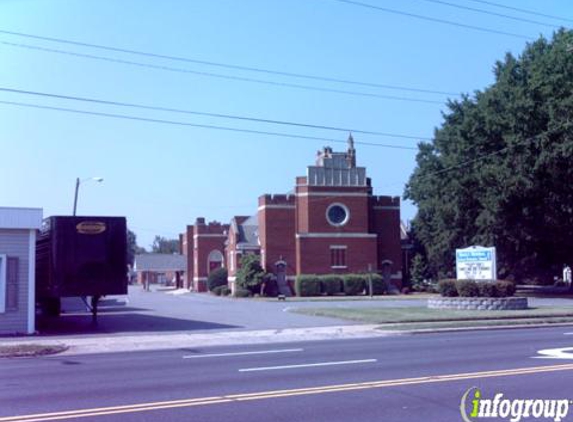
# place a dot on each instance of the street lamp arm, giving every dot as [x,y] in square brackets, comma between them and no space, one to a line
[78,183]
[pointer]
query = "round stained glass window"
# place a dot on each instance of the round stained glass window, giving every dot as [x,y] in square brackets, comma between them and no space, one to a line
[337,214]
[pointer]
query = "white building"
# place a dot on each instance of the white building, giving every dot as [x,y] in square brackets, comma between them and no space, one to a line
[18,227]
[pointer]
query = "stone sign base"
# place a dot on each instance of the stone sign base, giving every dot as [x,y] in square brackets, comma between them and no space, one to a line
[479,303]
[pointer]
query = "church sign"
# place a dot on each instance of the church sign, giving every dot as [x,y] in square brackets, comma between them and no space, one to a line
[476,263]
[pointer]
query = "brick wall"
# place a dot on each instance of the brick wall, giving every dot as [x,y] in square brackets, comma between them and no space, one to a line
[206,238]
[385,221]
[276,231]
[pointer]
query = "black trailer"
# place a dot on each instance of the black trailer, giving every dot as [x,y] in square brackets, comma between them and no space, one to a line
[80,257]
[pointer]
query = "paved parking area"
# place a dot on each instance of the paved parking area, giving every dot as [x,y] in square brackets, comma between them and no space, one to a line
[161,311]
[168,311]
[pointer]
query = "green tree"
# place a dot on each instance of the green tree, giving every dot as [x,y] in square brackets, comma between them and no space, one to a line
[132,248]
[499,169]
[250,274]
[164,245]
[418,272]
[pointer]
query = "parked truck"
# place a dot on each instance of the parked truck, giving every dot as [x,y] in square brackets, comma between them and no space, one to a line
[80,257]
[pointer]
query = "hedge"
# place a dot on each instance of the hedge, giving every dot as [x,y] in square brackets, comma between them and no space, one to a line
[467,288]
[334,284]
[308,285]
[354,284]
[488,289]
[504,288]
[379,285]
[447,288]
[473,288]
[331,284]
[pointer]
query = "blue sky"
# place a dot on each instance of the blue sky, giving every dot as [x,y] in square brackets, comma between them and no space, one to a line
[164,176]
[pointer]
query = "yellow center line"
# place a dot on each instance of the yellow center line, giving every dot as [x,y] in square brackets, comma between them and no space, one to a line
[263,395]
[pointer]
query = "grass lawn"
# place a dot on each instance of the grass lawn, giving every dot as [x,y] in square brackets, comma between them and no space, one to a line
[438,318]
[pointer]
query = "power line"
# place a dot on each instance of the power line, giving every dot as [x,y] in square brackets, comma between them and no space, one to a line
[430,19]
[487,12]
[201,113]
[484,156]
[179,123]
[496,152]
[220,76]
[517,9]
[227,65]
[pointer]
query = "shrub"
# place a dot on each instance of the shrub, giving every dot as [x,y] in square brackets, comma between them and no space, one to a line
[379,285]
[270,287]
[307,285]
[505,288]
[467,288]
[331,284]
[250,274]
[242,293]
[221,291]
[353,284]
[426,285]
[447,288]
[217,278]
[487,288]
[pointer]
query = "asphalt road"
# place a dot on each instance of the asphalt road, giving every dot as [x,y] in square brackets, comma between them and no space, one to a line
[402,378]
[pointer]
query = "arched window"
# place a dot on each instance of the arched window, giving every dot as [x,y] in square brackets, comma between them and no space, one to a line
[214,260]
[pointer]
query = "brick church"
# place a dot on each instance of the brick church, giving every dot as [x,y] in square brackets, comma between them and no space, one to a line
[331,224]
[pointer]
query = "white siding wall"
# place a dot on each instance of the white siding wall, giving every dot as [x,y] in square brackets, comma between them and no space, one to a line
[15,243]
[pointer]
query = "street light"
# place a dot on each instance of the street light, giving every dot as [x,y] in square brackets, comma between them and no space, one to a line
[78,182]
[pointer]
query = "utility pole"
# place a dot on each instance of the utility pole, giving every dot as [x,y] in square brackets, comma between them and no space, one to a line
[370,289]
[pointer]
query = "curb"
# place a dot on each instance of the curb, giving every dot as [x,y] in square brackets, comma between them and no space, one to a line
[482,328]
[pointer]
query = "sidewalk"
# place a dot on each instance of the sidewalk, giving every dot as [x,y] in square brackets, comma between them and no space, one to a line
[164,341]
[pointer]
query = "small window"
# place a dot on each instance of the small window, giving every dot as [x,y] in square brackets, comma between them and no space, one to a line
[2,283]
[338,256]
[12,283]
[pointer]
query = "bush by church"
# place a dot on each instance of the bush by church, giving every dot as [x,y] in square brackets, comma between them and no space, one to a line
[340,285]
[473,288]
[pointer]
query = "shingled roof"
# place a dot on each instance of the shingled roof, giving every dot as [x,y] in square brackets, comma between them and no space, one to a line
[249,233]
[159,262]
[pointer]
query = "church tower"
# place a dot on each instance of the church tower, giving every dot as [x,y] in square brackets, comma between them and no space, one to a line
[351,155]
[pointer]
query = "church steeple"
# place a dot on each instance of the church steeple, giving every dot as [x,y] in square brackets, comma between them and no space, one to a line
[351,157]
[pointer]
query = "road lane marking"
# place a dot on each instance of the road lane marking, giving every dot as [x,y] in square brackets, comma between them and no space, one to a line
[204,401]
[561,353]
[308,365]
[258,352]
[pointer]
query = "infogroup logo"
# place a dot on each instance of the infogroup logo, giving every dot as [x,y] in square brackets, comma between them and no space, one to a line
[475,407]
